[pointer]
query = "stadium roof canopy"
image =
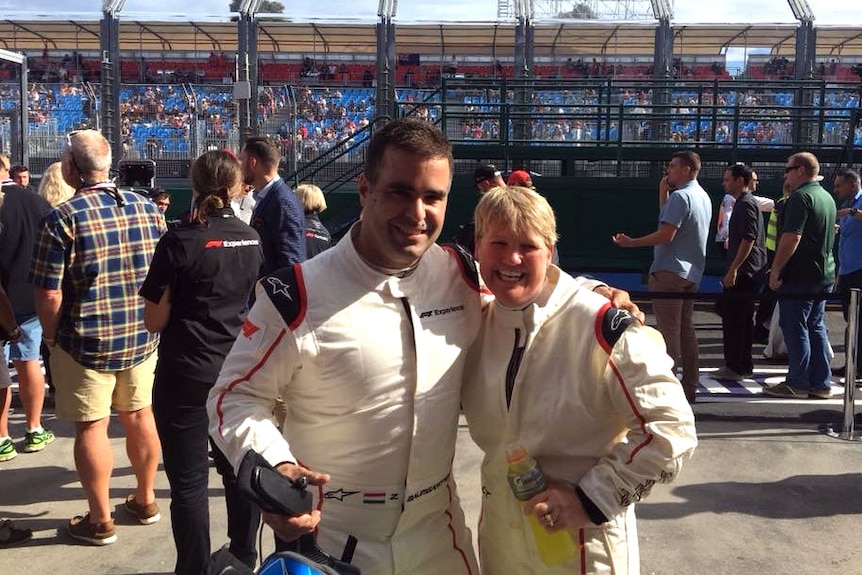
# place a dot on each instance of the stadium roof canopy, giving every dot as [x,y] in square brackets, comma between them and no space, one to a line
[561,38]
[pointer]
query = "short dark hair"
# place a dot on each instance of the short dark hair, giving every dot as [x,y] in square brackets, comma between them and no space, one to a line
[264,149]
[690,159]
[17,169]
[849,175]
[410,135]
[741,171]
[159,193]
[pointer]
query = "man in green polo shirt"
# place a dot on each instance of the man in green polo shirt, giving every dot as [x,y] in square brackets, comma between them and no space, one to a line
[803,271]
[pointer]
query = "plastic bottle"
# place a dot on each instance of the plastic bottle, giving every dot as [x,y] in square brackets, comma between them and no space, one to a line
[526,480]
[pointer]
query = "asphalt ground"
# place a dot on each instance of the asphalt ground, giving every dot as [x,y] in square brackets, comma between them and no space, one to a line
[766,491]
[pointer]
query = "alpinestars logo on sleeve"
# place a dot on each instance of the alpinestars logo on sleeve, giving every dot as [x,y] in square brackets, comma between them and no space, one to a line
[619,317]
[279,287]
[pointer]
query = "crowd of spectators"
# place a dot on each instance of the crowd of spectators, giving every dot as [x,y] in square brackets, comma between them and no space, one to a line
[216,68]
[609,112]
[158,120]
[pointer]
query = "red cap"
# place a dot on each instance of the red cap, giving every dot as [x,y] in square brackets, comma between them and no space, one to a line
[520,178]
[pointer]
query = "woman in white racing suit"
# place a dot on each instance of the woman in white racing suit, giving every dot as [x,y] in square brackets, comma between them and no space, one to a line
[586,388]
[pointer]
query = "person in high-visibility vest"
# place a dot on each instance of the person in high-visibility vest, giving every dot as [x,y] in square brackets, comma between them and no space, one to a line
[768,297]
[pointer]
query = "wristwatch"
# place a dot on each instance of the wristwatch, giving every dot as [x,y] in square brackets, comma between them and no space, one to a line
[854,211]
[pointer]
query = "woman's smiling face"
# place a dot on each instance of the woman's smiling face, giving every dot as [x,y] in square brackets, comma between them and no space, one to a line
[513,264]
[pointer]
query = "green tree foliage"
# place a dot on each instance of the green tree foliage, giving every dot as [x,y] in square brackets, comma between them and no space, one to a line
[580,11]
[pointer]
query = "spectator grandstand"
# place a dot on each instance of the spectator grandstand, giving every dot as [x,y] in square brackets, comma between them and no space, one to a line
[176,102]
[158,120]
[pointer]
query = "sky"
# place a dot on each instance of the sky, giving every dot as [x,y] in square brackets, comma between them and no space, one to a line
[685,11]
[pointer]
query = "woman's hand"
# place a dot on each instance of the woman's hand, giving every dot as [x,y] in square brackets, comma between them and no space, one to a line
[621,299]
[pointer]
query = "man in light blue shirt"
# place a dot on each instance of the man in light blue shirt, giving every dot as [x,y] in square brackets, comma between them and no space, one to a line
[679,259]
[849,193]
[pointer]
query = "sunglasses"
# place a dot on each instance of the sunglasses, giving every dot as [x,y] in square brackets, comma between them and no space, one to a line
[71,135]
[69,138]
[789,169]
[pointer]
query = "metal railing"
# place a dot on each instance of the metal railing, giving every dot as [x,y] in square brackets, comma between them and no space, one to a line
[848,425]
[727,114]
[614,120]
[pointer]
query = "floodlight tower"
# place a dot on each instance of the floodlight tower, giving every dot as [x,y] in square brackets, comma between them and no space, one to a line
[806,57]
[602,9]
[806,39]
[18,125]
[245,87]
[110,45]
[386,58]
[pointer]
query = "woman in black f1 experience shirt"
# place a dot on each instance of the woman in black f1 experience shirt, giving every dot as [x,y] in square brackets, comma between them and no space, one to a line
[195,292]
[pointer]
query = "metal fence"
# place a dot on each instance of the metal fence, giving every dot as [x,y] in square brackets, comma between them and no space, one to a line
[173,124]
[589,113]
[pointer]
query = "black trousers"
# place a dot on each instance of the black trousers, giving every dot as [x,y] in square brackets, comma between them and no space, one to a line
[768,300]
[180,412]
[243,516]
[738,324]
[845,283]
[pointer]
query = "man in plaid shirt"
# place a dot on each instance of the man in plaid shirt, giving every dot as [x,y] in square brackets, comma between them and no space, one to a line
[92,255]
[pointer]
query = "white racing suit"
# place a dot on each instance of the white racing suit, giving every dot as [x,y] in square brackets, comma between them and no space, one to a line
[370,368]
[593,398]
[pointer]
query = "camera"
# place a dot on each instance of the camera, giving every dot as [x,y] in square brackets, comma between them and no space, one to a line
[136,174]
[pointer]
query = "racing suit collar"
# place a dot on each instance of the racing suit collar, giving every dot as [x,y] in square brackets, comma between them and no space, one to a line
[374,278]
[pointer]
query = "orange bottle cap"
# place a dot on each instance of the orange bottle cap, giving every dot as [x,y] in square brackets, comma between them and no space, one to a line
[515,454]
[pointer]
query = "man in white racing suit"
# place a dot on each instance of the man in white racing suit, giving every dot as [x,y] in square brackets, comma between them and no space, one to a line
[370,375]
[366,344]
[586,389]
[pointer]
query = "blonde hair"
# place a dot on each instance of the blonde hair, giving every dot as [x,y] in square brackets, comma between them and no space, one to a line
[518,209]
[311,198]
[53,186]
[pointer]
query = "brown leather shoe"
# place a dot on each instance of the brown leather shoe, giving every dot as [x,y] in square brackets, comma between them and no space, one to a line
[145,514]
[93,533]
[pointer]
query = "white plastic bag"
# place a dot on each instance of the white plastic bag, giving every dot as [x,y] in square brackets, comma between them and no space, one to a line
[775,348]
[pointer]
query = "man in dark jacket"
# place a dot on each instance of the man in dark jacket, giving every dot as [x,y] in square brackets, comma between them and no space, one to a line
[746,261]
[277,215]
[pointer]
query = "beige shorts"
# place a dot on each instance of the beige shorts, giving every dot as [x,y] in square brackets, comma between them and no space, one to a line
[84,394]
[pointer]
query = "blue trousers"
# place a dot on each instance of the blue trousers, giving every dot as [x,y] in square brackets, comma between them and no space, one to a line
[802,323]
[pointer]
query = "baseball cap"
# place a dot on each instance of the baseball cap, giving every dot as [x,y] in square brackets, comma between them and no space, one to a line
[485,172]
[520,178]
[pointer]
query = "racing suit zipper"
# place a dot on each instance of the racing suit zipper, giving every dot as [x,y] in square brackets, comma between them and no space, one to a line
[514,365]
[409,314]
